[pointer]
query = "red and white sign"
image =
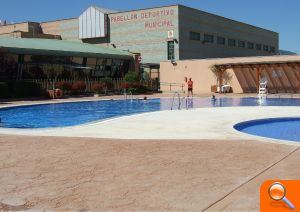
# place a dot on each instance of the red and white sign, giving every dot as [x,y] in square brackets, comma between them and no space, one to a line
[139,59]
[171,34]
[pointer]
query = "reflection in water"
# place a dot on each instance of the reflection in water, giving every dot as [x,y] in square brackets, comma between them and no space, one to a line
[262,101]
[214,102]
[189,103]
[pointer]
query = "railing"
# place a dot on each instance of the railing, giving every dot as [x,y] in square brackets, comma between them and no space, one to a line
[49,84]
[128,94]
[171,85]
[179,100]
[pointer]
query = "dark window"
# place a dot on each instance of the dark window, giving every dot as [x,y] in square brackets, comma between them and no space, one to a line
[195,36]
[258,47]
[242,44]
[171,50]
[221,40]
[231,42]
[272,49]
[208,38]
[250,45]
[266,48]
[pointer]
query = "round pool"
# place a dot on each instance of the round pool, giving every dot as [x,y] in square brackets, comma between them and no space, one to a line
[276,128]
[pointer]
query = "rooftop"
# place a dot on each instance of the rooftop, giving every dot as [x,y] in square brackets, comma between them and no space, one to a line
[58,47]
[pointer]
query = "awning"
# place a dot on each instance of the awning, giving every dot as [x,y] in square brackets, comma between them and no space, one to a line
[54,47]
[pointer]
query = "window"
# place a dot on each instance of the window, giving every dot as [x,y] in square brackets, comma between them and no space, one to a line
[272,49]
[242,44]
[258,47]
[171,50]
[195,36]
[231,42]
[208,38]
[221,40]
[266,48]
[250,45]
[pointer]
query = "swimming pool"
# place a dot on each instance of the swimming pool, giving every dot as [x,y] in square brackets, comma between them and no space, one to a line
[76,113]
[277,128]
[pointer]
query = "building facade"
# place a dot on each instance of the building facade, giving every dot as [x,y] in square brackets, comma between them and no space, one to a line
[171,33]
[241,74]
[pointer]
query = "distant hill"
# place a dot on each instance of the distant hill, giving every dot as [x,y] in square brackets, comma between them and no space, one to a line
[285,52]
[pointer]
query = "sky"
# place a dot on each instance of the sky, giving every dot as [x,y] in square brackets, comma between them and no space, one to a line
[276,15]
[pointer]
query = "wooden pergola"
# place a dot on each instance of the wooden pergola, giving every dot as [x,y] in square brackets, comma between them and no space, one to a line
[258,67]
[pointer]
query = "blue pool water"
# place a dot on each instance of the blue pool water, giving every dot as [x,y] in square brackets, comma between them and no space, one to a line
[277,128]
[76,113]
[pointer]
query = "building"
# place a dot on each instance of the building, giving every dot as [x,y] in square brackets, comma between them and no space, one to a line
[32,59]
[172,33]
[241,74]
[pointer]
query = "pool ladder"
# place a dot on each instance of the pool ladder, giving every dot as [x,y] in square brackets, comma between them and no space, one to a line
[179,100]
[129,94]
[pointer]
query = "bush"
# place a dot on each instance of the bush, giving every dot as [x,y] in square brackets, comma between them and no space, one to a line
[65,86]
[98,87]
[107,83]
[142,89]
[79,86]
[134,85]
[27,89]
[4,90]
[125,85]
[139,90]
[131,77]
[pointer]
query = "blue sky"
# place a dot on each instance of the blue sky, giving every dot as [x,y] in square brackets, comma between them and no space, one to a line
[277,15]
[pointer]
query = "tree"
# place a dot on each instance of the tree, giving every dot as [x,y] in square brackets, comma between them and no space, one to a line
[131,77]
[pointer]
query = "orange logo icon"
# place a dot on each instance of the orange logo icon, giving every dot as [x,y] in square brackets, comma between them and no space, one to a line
[280,195]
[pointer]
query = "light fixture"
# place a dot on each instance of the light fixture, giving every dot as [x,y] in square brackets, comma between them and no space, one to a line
[173,62]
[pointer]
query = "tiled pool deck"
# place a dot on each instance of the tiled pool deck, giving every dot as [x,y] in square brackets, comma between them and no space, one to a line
[66,173]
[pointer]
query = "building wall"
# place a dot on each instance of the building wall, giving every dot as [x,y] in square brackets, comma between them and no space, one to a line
[14,27]
[192,20]
[281,79]
[68,29]
[145,31]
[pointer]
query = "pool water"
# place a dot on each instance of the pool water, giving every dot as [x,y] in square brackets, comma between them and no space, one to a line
[277,128]
[76,113]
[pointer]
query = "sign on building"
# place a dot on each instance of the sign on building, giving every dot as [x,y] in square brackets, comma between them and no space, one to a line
[171,34]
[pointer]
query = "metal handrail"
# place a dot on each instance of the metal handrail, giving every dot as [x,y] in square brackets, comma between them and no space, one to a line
[179,100]
[171,84]
[126,94]
[130,95]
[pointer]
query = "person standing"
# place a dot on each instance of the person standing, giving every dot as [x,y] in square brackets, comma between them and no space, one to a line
[190,87]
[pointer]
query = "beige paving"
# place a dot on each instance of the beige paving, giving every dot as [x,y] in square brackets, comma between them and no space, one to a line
[201,123]
[220,173]
[56,173]
[247,196]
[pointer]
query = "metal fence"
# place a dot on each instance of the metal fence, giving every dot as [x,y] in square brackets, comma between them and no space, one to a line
[49,84]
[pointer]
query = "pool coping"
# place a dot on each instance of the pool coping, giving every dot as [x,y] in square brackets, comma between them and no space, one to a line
[241,135]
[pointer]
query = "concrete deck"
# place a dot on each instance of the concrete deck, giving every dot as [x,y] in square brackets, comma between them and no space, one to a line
[201,123]
[195,161]
[55,173]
